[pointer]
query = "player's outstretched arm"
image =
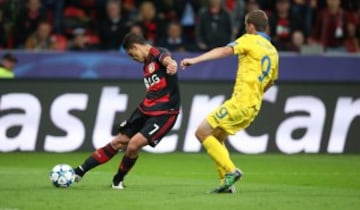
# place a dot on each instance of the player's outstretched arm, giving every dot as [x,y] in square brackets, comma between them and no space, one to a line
[216,53]
[170,64]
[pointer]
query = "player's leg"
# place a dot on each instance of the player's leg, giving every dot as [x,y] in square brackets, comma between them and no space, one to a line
[232,119]
[129,159]
[214,147]
[221,121]
[221,136]
[218,152]
[102,155]
[153,130]
[222,175]
[127,129]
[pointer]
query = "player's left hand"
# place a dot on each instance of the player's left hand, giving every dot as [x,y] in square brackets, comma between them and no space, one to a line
[171,68]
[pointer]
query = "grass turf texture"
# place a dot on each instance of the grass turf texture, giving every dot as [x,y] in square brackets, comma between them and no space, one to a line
[181,181]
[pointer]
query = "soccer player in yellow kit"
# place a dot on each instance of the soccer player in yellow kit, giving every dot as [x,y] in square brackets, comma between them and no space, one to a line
[257,71]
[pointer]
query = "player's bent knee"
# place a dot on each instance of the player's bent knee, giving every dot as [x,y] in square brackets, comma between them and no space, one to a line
[200,135]
[120,141]
[132,150]
[203,131]
[116,145]
[220,134]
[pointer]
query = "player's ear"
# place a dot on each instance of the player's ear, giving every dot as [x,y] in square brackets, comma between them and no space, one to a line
[252,27]
[135,46]
[131,49]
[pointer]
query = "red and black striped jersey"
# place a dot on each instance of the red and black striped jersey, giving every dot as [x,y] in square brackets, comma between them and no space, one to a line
[162,89]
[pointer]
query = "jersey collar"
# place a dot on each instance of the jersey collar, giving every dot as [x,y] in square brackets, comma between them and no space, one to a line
[264,35]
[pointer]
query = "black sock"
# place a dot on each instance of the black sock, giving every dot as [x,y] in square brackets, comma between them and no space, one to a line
[125,165]
[100,156]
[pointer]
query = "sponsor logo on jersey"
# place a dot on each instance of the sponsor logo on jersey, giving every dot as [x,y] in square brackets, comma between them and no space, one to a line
[151,80]
[151,67]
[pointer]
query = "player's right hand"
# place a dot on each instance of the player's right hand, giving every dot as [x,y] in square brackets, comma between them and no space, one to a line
[186,62]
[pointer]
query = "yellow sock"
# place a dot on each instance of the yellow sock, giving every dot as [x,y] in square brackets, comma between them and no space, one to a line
[221,171]
[218,153]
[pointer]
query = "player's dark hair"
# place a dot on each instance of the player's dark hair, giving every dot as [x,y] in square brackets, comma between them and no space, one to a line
[132,38]
[259,19]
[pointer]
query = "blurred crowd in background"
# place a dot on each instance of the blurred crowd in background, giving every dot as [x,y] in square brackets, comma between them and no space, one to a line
[179,25]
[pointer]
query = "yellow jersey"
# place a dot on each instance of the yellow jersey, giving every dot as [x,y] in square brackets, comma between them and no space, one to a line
[258,63]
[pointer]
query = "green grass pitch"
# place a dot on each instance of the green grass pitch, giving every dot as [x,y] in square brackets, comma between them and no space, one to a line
[181,181]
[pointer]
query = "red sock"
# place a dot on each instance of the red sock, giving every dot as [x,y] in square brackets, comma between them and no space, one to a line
[125,165]
[102,155]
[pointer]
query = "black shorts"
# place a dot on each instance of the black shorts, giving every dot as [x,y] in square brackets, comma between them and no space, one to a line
[154,128]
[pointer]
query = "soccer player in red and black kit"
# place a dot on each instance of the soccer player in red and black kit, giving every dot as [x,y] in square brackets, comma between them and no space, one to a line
[151,120]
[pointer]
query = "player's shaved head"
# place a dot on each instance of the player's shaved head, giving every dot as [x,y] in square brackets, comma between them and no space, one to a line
[258,18]
[132,38]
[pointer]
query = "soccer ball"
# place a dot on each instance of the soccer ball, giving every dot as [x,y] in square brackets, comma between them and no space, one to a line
[62,175]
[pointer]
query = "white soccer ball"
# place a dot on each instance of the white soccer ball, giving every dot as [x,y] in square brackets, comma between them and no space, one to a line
[62,175]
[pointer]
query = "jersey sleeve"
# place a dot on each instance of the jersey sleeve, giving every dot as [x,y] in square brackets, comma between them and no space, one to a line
[240,45]
[163,54]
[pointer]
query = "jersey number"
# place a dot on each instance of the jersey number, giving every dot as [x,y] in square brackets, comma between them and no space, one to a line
[265,67]
[221,113]
[156,127]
